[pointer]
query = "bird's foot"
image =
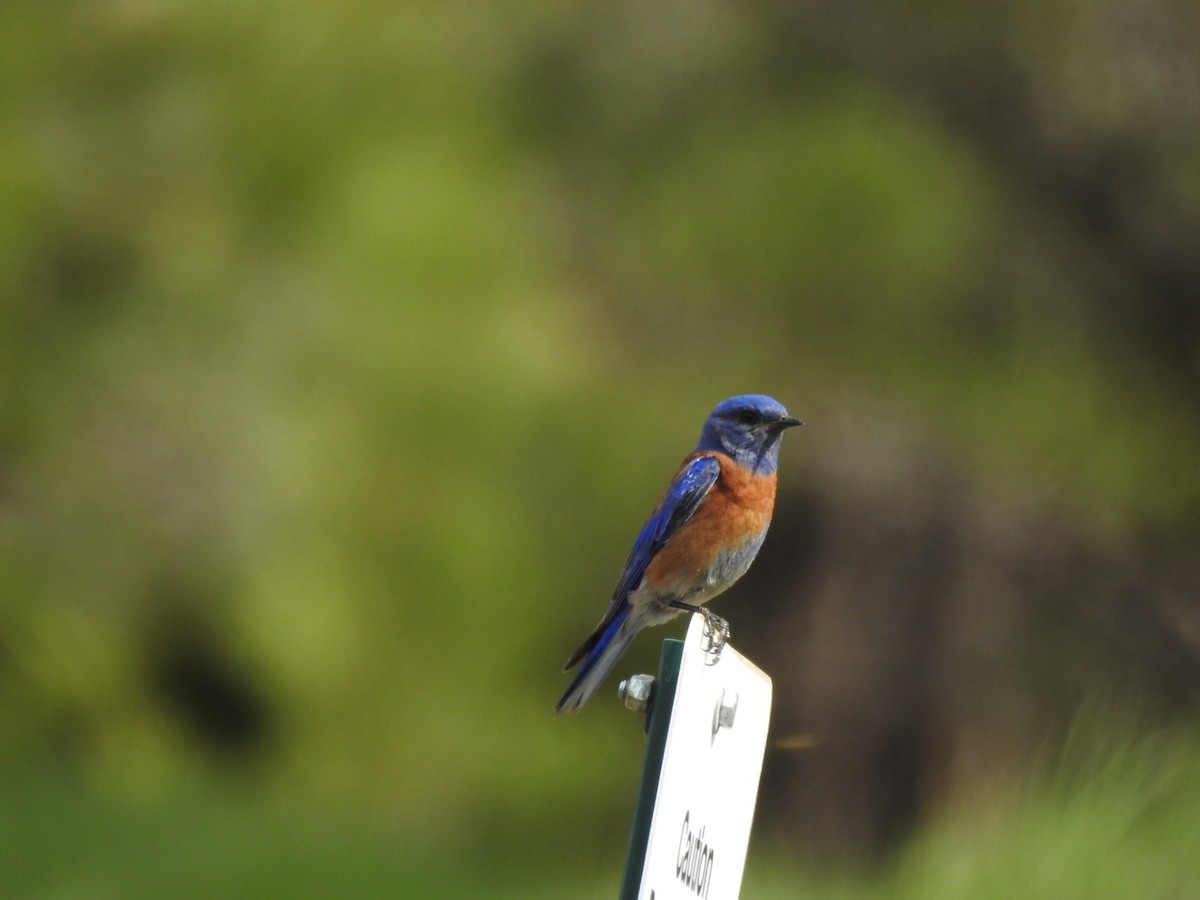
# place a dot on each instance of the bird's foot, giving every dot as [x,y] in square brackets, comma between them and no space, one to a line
[716,630]
[715,637]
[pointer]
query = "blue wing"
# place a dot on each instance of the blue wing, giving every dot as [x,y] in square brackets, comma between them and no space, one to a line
[605,645]
[690,485]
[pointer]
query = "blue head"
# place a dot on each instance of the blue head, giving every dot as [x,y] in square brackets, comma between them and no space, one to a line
[748,428]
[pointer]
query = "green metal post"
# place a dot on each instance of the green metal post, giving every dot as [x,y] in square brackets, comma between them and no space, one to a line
[657,723]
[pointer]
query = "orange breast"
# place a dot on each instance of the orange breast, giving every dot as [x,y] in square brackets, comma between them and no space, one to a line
[731,521]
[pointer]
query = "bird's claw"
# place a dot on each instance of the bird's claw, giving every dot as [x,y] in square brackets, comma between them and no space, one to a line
[715,637]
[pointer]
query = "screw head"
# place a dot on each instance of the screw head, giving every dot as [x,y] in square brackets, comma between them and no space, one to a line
[636,692]
[725,712]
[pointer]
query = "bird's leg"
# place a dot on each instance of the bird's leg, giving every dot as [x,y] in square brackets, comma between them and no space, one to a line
[716,629]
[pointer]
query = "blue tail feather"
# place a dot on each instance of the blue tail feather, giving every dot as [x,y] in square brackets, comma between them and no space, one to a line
[609,643]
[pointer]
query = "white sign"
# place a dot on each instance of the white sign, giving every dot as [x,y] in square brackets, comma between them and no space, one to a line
[709,778]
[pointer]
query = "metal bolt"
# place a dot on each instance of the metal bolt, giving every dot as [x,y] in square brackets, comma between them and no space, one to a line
[725,712]
[636,692]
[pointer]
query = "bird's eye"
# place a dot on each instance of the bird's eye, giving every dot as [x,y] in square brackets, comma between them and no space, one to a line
[747,417]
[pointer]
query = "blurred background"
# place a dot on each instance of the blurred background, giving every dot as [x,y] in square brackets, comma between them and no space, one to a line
[344,348]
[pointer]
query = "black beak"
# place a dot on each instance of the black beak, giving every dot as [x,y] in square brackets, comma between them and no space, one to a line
[787,422]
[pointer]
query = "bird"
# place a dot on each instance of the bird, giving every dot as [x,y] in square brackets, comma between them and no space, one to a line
[701,537]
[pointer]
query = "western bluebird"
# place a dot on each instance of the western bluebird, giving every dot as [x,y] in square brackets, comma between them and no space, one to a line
[700,539]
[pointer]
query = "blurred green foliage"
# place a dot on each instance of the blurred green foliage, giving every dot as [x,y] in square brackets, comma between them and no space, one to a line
[1109,815]
[1105,815]
[343,346]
